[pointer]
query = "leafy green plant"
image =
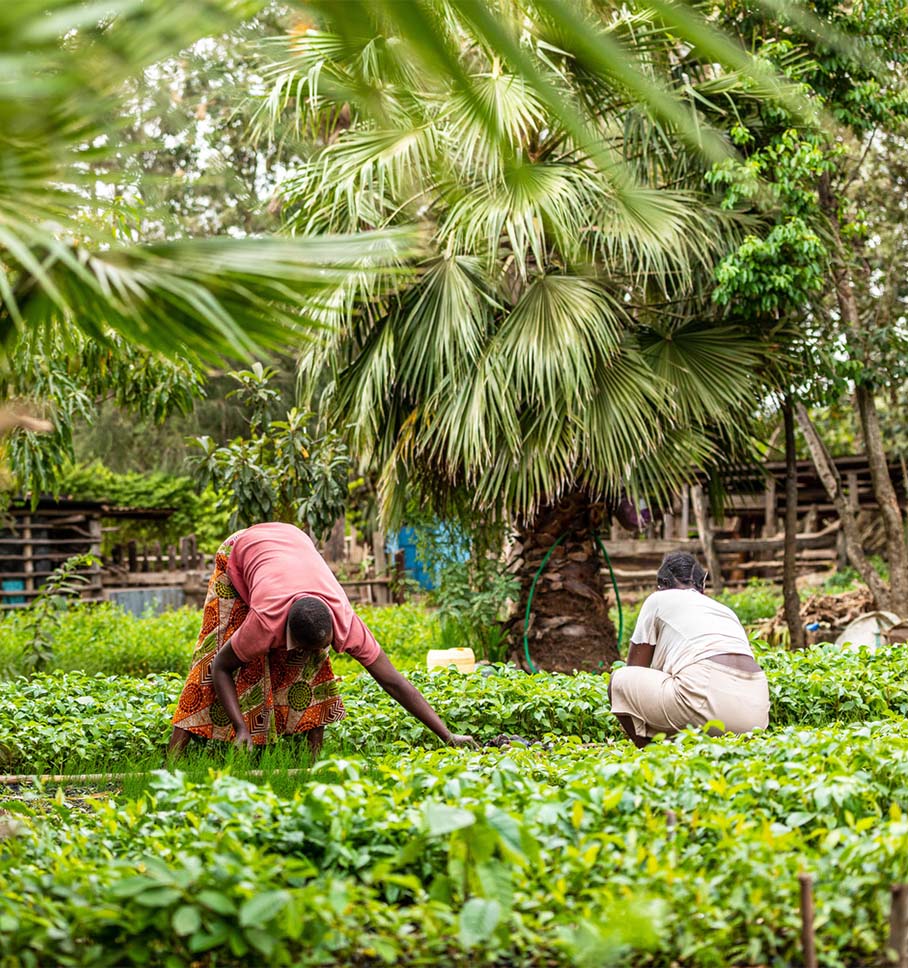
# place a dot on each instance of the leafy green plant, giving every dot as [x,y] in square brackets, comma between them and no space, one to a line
[280,471]
[687,852]
[472,585]
[102,638]
[47,611]
[77,720]
[759,600]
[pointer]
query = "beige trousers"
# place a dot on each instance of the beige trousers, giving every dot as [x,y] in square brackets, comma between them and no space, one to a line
[704,691]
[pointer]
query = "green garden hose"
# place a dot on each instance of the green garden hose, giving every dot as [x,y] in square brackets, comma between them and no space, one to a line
[548,554]
[611,571]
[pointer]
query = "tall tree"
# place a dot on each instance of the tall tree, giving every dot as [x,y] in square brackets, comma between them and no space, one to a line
[817,261]
[558,348]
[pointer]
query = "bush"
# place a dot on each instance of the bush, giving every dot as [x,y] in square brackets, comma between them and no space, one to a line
[105,639]
[757,601]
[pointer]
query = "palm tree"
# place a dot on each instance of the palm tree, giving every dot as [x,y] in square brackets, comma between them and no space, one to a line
[557,347]
[70,75]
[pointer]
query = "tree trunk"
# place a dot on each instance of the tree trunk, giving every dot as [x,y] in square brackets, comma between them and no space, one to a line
[829,475]
[884,492]
[883,489]
[569,628]
[701,513]
[790,563]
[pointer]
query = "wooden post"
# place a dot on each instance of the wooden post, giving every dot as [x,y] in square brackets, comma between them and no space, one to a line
[381,566]
[706,537]
[144,557]
[172,557]
[193,552]
[769,511]
[158,562]
[685,511]
[898,926]
[185,561]
[400,572]
[94,529]
[807,937]
[132,556]
[792,603]
[27,556]
[668,526]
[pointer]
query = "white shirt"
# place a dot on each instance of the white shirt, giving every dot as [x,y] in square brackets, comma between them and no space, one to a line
[686,626]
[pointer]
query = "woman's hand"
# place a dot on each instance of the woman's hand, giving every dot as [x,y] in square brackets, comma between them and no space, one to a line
[243,739]
[458,740]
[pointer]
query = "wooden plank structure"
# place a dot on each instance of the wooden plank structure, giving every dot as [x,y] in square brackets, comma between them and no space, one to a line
[747,540]
[35,541]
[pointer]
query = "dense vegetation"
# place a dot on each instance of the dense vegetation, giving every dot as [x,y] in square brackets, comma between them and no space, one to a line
[577,851]
[104,639]
[74,721]
[442,857]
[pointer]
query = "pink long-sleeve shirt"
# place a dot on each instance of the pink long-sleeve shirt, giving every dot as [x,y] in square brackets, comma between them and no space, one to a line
[270,567]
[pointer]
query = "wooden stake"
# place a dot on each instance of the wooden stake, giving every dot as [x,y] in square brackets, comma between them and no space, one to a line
[807,939]
[898,926]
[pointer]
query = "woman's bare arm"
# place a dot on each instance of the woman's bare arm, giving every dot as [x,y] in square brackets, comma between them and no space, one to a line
[222,668]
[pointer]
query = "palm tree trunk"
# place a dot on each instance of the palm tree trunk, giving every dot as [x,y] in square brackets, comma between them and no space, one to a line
[790,561]
[569,627]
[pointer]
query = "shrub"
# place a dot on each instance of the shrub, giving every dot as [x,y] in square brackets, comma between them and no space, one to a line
[105,639]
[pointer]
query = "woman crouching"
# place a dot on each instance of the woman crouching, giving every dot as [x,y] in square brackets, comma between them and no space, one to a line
[689,662]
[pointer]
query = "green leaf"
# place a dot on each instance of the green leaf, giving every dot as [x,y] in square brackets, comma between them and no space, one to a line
[262,908]
[131,886]
[478,919]
[186,920]
[440,819]
[216,901]
[158,897]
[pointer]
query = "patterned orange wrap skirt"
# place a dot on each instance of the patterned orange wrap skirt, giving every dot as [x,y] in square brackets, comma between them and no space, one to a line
[280,693]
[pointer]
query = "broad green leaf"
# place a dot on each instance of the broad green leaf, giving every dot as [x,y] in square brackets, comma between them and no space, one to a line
[478,919]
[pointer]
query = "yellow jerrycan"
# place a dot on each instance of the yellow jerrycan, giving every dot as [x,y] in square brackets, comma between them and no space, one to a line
[462,659]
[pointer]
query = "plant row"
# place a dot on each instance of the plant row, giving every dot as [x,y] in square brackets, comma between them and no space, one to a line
[684,854]
[78,722]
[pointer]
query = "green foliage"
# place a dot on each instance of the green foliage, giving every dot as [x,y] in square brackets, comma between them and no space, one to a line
[104,639]
[47,612]
[472,586]
[406,632]
[195,511]
[73,718]
[79,247]
[280,471]
[539,859]
[815,688]
[526,357]
[759,600]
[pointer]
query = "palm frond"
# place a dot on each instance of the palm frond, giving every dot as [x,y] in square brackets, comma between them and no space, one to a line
[214,296]
[709,367]
[552,342]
